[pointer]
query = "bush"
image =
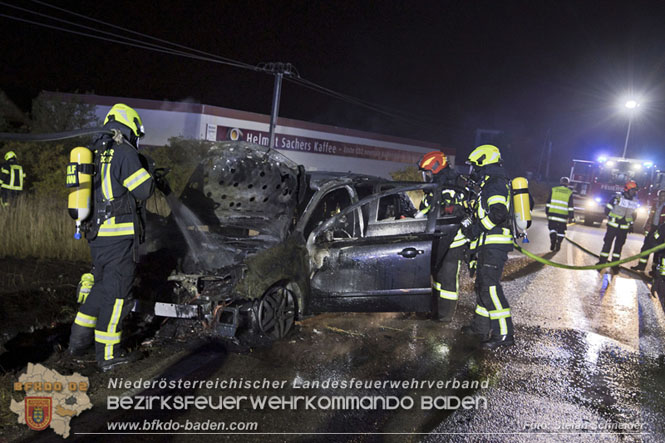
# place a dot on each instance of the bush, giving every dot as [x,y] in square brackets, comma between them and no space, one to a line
[180,156]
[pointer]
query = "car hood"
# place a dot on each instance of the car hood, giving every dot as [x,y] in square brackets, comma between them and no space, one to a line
[240,199]
[246,187]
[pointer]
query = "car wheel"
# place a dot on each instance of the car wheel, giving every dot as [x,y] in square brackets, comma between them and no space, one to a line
[277,312]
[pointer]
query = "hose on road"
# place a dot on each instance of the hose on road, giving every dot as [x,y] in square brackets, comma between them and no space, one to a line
[600,266]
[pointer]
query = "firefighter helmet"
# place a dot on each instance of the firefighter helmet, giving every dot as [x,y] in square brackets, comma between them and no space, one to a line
[564,181]
[434,161]
[484,155]
[630,184]
[9,155]
[122,113]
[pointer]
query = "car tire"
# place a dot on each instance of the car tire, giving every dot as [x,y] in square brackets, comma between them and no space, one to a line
[276,312]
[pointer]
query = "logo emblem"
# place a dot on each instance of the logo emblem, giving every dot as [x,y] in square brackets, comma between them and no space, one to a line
[38,412]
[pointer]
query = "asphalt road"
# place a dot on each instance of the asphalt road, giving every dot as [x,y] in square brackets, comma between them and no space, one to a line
[587,366]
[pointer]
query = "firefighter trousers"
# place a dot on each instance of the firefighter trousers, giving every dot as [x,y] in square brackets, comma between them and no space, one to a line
[557,232]
[492,316]
[100,317]
[616,236]
[445,276]
[658,287]
[7,196]
[651,240]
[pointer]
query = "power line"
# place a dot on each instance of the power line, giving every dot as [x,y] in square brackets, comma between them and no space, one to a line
[292,74]
[231,61]
[129,41]
[142,46]
[359,102]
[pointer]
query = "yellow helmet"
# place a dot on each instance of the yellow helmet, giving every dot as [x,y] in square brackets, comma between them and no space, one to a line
[122,113]
[484,155]
[9,155]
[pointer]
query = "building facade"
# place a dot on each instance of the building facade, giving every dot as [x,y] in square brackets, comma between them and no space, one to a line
[316,146]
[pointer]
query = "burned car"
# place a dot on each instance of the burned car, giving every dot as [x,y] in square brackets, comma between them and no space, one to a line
[255,242]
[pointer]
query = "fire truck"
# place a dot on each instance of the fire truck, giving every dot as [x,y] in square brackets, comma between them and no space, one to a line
[595,182]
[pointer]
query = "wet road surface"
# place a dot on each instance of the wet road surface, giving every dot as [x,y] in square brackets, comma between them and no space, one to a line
[587,366]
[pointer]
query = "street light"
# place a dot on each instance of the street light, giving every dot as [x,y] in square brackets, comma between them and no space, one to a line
[631,105]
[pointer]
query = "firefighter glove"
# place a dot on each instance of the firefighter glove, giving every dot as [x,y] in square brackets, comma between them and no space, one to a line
[160,180]
[469,228]
[472,265]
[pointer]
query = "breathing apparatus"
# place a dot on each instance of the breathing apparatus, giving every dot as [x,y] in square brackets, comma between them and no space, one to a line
[79,177]
[520,209]
[126,127]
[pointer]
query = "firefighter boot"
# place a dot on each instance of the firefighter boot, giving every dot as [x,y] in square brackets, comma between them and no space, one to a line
[552,240]
[122,359]
[557,246]
[446,309]
[641,266]
[80,340]
[471,332]
[602,261]
[497,341]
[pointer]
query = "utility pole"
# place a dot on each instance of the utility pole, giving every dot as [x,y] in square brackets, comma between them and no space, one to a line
[279,70]
[542,154]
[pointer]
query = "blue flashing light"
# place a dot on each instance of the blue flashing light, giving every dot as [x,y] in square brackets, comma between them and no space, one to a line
[647,164]
[602,159]
[597,199]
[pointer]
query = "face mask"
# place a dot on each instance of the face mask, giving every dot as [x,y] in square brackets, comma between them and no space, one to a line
[475,173]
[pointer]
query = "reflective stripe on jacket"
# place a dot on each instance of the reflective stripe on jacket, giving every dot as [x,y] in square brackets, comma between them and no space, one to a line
[621,211]
[121,177]
[12,176]
[560,205]
[492,210]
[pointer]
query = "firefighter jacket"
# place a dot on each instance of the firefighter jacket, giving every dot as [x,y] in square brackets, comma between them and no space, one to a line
[11,175]
[621,211]
[560,205]
[452,202]
[120,181]
[656,216]
[659,258]
[491,210]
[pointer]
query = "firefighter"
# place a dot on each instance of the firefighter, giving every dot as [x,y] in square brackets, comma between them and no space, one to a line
[114,230]
[491,239]
[559,210]
[11,179]
[656,218]
[446,256]
[658,274]
[621,211]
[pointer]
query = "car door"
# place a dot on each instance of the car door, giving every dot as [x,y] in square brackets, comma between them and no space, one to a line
[385,267]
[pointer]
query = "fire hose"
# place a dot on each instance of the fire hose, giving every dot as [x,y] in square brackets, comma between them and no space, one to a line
[52,136]
[599,266]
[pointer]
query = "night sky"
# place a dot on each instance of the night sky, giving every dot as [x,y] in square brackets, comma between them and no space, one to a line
[527,68]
